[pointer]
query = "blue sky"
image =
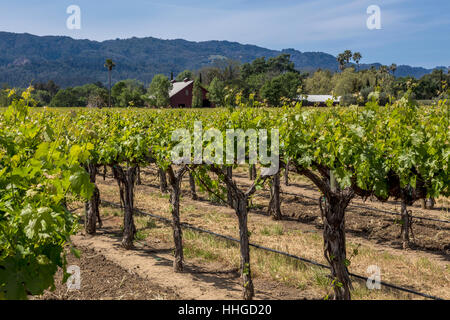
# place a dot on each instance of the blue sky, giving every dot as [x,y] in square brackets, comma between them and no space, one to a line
[413,32]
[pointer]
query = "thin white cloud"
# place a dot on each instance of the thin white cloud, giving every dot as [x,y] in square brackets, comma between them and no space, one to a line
[310,21]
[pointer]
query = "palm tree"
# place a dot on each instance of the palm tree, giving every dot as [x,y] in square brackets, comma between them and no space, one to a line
[393,68]
[348,55]
[341,61]
[344,58]
[109,65]
[357,58]
[383,69]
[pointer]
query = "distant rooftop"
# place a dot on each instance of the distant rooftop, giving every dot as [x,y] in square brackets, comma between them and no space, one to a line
[179,86]
[318,98]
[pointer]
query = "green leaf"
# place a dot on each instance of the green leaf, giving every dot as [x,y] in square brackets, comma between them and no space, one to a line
[347,262]
[81,184]
[75,252]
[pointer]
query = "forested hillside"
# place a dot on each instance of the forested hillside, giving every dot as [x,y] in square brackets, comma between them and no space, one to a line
[69,62]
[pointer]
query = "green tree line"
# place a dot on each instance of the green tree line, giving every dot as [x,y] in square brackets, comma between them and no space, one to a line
[270,82]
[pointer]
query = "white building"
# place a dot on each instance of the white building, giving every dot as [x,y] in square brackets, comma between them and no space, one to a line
[313,99]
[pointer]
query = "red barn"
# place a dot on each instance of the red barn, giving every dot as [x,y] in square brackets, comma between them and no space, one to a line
[181,95]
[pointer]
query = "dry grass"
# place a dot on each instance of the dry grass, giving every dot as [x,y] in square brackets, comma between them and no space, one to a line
[290,272]
[409,270]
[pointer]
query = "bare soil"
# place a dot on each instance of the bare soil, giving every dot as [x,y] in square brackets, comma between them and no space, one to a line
[152,261]
[102,279]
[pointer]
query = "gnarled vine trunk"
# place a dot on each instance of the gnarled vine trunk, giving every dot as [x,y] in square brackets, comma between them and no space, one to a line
[138,178]
[242,213]
[92,212]
[427,203]
[430,203]
[229,174]
[252,172]
[127,179]
[423,203]
[332,208]
[175,192]
[405,224]
[162,180]
[333,215]
[275,203]
[286,173]
[192,186]
[119,179]
[407,196]
[176,227]
[240,201]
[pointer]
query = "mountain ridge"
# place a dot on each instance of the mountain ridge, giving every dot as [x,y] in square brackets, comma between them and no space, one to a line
[69,62]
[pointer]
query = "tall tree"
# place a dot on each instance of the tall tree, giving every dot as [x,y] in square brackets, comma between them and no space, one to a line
[186,74]
[281,64]
[321,82]
[384,69]
[159,91]
[341,60]
[109,65]
[348,55]
[216,92]
[344,58]
[393,68]
[283,86]
[197,95]
[127,93]
[357,58]
[50,87]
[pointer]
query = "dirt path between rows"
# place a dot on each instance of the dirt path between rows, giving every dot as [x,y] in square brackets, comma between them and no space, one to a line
[101,279]
[204,282]
[213,281]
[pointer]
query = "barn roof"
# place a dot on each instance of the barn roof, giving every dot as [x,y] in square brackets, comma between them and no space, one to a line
[179,86]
